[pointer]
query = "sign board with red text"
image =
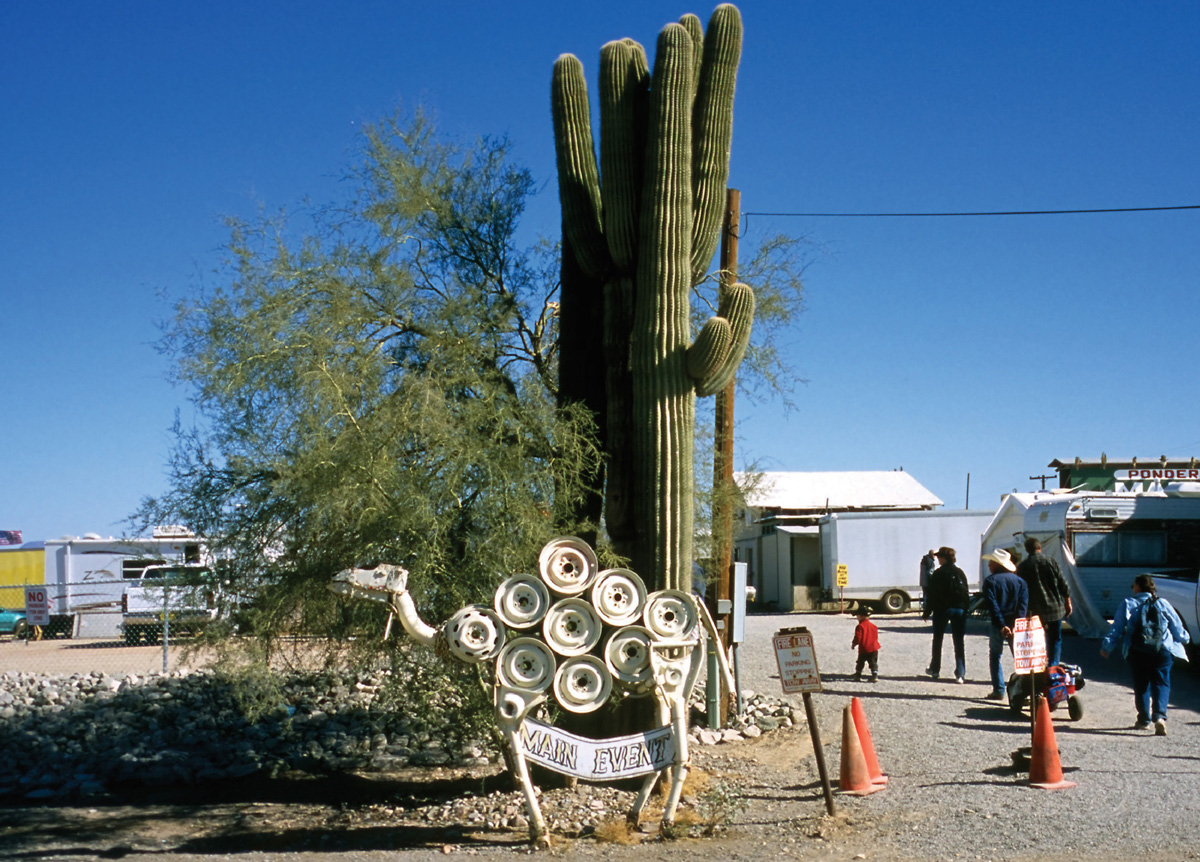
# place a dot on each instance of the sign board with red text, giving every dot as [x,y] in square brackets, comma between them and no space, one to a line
[797,660]
[1029,646]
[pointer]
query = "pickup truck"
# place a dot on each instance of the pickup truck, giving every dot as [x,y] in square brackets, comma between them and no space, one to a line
[177,599]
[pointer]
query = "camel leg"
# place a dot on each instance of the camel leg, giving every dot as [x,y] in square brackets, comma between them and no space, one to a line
[679,773]
[537,826]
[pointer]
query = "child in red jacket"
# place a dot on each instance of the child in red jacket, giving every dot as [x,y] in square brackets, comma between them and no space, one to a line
[866,638]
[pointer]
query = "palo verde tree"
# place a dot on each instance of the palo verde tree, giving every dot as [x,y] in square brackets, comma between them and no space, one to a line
[379,386]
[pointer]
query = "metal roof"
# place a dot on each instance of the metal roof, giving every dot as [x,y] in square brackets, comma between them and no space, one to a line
[861,489]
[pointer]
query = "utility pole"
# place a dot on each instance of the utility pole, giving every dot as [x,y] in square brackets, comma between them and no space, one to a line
[723,487]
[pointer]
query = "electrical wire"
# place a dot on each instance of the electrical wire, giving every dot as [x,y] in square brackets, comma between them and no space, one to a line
[960,214]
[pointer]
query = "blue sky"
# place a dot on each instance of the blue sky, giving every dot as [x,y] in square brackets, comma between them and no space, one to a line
[946,346]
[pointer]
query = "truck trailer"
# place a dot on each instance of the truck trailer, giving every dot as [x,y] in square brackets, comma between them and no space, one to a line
[882,551]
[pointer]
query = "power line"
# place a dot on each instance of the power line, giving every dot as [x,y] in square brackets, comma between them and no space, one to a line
[960,214]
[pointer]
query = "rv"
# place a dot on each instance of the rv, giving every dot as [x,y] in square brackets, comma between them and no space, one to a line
[124,587]
[1103,539]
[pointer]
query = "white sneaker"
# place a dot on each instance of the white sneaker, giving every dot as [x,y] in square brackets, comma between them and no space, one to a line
[1160,727]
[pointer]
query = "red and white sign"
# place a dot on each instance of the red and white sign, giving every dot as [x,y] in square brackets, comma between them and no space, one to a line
[797,660]
[1177,474]
[37,606]
[1029,646]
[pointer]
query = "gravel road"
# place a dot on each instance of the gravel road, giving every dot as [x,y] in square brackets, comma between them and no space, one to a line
[953,793]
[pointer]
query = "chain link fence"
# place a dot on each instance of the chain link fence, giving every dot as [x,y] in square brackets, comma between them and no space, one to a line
[94,640]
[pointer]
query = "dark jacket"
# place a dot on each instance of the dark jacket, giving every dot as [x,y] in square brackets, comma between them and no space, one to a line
[1048,591]
[947,589]
[1006,597]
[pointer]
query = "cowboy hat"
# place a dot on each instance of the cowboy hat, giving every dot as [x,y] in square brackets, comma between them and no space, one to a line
[1002,557]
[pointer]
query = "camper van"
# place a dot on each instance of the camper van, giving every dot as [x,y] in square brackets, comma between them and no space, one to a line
[1102,539]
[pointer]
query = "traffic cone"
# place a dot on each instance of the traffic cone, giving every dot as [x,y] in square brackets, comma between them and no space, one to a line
[864,740]
[1045,771]
[854,777]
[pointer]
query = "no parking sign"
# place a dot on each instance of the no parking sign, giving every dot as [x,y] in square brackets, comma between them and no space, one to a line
[37,606]
[1029,645]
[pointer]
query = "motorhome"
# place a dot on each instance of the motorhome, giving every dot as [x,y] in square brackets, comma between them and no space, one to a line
[1102,539]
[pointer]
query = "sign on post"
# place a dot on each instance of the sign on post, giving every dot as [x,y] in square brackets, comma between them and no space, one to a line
[37,606]
[1029,646]
[797,661]
[843,574]
[798,672]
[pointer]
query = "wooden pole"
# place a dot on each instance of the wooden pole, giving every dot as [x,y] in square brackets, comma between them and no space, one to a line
[722,531]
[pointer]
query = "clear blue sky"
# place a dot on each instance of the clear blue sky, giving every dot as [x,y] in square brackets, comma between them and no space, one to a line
[947,346]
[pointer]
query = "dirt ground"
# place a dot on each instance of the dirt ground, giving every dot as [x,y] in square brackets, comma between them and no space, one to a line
[362,817]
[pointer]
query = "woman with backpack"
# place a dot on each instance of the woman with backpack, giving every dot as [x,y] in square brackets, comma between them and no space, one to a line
[1152,637]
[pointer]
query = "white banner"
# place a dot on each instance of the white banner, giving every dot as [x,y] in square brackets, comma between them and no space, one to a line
[598,759]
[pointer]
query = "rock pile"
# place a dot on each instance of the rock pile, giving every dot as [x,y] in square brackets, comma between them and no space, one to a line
[85,735]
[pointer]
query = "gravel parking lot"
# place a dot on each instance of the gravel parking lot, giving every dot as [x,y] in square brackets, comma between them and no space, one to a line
[953,793]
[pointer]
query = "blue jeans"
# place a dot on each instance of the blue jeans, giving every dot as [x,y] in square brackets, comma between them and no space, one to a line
[1151,683]
[1053,630]
[957,618]
[996,643]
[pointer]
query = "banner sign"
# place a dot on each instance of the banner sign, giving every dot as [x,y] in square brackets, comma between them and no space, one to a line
[598,759]
[1029,645]
[797,660]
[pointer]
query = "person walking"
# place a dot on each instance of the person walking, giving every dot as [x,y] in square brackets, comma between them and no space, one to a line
[947,602]
[1049,596]
[1152,637]
[866,638]
[1007,598]
[928,564]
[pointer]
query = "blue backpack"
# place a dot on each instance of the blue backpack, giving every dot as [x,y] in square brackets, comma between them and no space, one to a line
[1150,632]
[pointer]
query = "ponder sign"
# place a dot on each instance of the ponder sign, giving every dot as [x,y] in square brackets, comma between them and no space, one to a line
[797,660]
[598,759]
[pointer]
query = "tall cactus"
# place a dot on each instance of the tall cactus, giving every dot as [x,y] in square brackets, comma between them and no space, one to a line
[645,222]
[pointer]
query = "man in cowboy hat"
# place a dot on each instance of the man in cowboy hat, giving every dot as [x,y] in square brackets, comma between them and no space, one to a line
[1007,598]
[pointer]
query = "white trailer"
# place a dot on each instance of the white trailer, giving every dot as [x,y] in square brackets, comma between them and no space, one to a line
[91,581]
[1103,539]
[882,552]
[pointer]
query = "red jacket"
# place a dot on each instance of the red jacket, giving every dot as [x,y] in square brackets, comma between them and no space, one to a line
[866,637]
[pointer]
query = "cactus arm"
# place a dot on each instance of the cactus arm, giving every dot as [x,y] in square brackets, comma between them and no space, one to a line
[712,132]
[624,92]
[737,307]
[710,348]
[695,29]
[578,175]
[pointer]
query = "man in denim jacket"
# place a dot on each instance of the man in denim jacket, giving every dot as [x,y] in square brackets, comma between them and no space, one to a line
[1151,670]
[1007,598]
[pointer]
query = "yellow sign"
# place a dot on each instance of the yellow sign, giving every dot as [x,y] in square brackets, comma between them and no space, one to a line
[843,574]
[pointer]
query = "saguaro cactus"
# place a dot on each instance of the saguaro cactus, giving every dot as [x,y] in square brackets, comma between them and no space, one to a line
[645,222]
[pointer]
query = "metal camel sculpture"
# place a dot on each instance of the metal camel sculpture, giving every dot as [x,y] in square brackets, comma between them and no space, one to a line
[580,634]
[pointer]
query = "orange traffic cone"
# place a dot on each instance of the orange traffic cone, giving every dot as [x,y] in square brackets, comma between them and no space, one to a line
[864,739]
[854,778]
[1045,771]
